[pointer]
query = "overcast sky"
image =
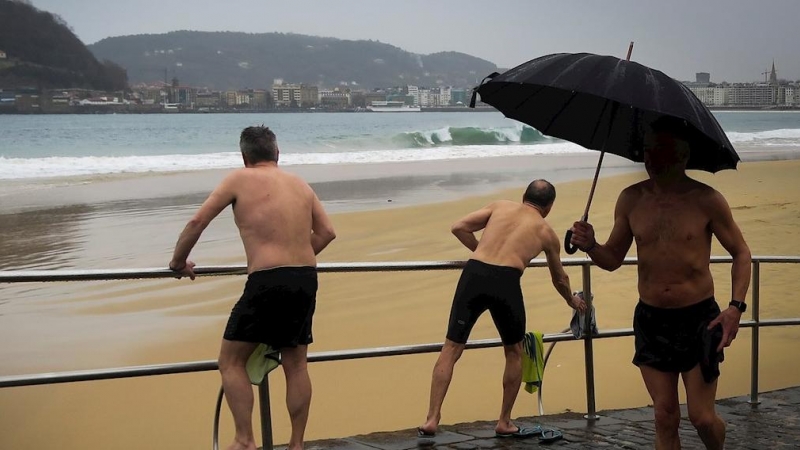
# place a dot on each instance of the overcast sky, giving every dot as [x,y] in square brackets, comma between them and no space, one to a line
[734,40]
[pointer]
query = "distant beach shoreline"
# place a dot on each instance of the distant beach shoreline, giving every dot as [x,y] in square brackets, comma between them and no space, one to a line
[122,109]
[335,182]
[453,178]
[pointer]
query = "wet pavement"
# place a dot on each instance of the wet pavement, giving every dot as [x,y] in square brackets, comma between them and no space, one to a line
[773,424]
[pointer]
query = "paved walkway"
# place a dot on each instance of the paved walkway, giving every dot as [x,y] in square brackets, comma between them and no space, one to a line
[775,424]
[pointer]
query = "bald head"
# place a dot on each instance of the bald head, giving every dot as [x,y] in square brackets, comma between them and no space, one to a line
[540,193]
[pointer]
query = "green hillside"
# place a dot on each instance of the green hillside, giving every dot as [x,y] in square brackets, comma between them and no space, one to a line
[227,60]
[42,52]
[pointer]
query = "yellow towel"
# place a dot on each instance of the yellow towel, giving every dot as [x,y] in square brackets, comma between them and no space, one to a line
[261,362]
[532,361]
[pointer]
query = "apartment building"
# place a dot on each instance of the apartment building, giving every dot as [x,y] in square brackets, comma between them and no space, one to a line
[294,95]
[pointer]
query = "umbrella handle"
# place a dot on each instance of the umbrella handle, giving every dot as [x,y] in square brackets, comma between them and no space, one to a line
[568,247]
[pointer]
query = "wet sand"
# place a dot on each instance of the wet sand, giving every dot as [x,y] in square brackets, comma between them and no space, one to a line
[68,326]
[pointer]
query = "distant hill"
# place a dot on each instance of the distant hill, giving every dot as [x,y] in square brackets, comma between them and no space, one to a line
[227,60]
[42,52]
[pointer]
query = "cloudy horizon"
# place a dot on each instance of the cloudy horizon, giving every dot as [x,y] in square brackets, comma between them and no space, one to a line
[733,40]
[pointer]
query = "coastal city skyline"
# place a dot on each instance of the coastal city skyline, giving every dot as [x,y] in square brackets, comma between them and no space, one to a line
[678,42]
[172,96]
[166,96]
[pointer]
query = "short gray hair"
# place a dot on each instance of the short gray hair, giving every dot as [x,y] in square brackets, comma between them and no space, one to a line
[258,144]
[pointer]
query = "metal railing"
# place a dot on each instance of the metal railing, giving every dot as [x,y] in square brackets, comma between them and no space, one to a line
[341,355]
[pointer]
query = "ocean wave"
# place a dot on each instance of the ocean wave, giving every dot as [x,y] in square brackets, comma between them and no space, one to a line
[20,168]
[444,143]
[467,136]
[785,136]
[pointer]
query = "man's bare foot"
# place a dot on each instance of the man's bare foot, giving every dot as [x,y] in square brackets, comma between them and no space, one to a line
[427,430]
[242,446]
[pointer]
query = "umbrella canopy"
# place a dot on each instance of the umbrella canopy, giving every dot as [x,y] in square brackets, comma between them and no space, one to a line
[606,103]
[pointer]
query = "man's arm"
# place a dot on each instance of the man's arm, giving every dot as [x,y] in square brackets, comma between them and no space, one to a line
[552,250]
[465,228]
[219,199]
[730,236]
[610,255]
[322,232]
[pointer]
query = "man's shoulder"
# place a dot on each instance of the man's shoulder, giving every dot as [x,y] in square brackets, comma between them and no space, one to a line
[638,186]
[504,204]
[496,205]
[234,175]
[699,186]
[635,190]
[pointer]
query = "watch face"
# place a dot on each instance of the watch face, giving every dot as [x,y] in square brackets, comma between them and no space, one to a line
[741,306]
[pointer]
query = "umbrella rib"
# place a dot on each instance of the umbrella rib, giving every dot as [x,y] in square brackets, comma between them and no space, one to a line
[558,114]
[597,126]
[516,108]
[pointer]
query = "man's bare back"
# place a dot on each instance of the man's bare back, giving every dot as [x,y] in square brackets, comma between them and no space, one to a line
[270,208]
[672,230]
[280,219]
[513,235]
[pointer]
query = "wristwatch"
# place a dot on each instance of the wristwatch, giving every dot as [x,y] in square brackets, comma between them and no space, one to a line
[741,306]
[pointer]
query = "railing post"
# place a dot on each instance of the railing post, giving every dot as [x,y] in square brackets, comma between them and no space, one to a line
[754,401]
[588,352]
[266,414]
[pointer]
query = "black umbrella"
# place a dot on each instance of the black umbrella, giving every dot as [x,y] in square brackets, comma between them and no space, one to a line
[605,103]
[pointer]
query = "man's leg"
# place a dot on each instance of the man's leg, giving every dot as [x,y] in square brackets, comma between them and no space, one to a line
[663,389]
[298,391]
[700,398]
[512,379]
[238,390]
[442,375]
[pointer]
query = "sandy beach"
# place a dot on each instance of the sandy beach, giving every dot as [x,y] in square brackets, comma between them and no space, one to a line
[133,221]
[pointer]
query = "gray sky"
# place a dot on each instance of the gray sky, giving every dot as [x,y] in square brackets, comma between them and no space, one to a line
[734,40]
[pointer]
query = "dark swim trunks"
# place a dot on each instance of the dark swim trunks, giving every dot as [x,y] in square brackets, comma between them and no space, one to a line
[485,286]
[276,308]
[677,339]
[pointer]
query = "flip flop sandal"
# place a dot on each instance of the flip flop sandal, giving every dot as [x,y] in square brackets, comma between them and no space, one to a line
[521,433]
[550,436]
[425,434]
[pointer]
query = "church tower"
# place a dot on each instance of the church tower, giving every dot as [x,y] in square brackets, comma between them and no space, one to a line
[773,76]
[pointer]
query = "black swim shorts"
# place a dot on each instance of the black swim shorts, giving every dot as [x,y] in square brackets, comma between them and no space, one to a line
[276,308]
[678,339]
[485,286]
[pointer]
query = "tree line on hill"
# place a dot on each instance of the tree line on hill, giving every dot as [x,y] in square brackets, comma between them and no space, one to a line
[232,60]
[43,53]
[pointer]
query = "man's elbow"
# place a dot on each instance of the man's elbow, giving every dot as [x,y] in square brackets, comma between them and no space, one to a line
[327,235]
[609,265]
[742,254]
[197,223]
